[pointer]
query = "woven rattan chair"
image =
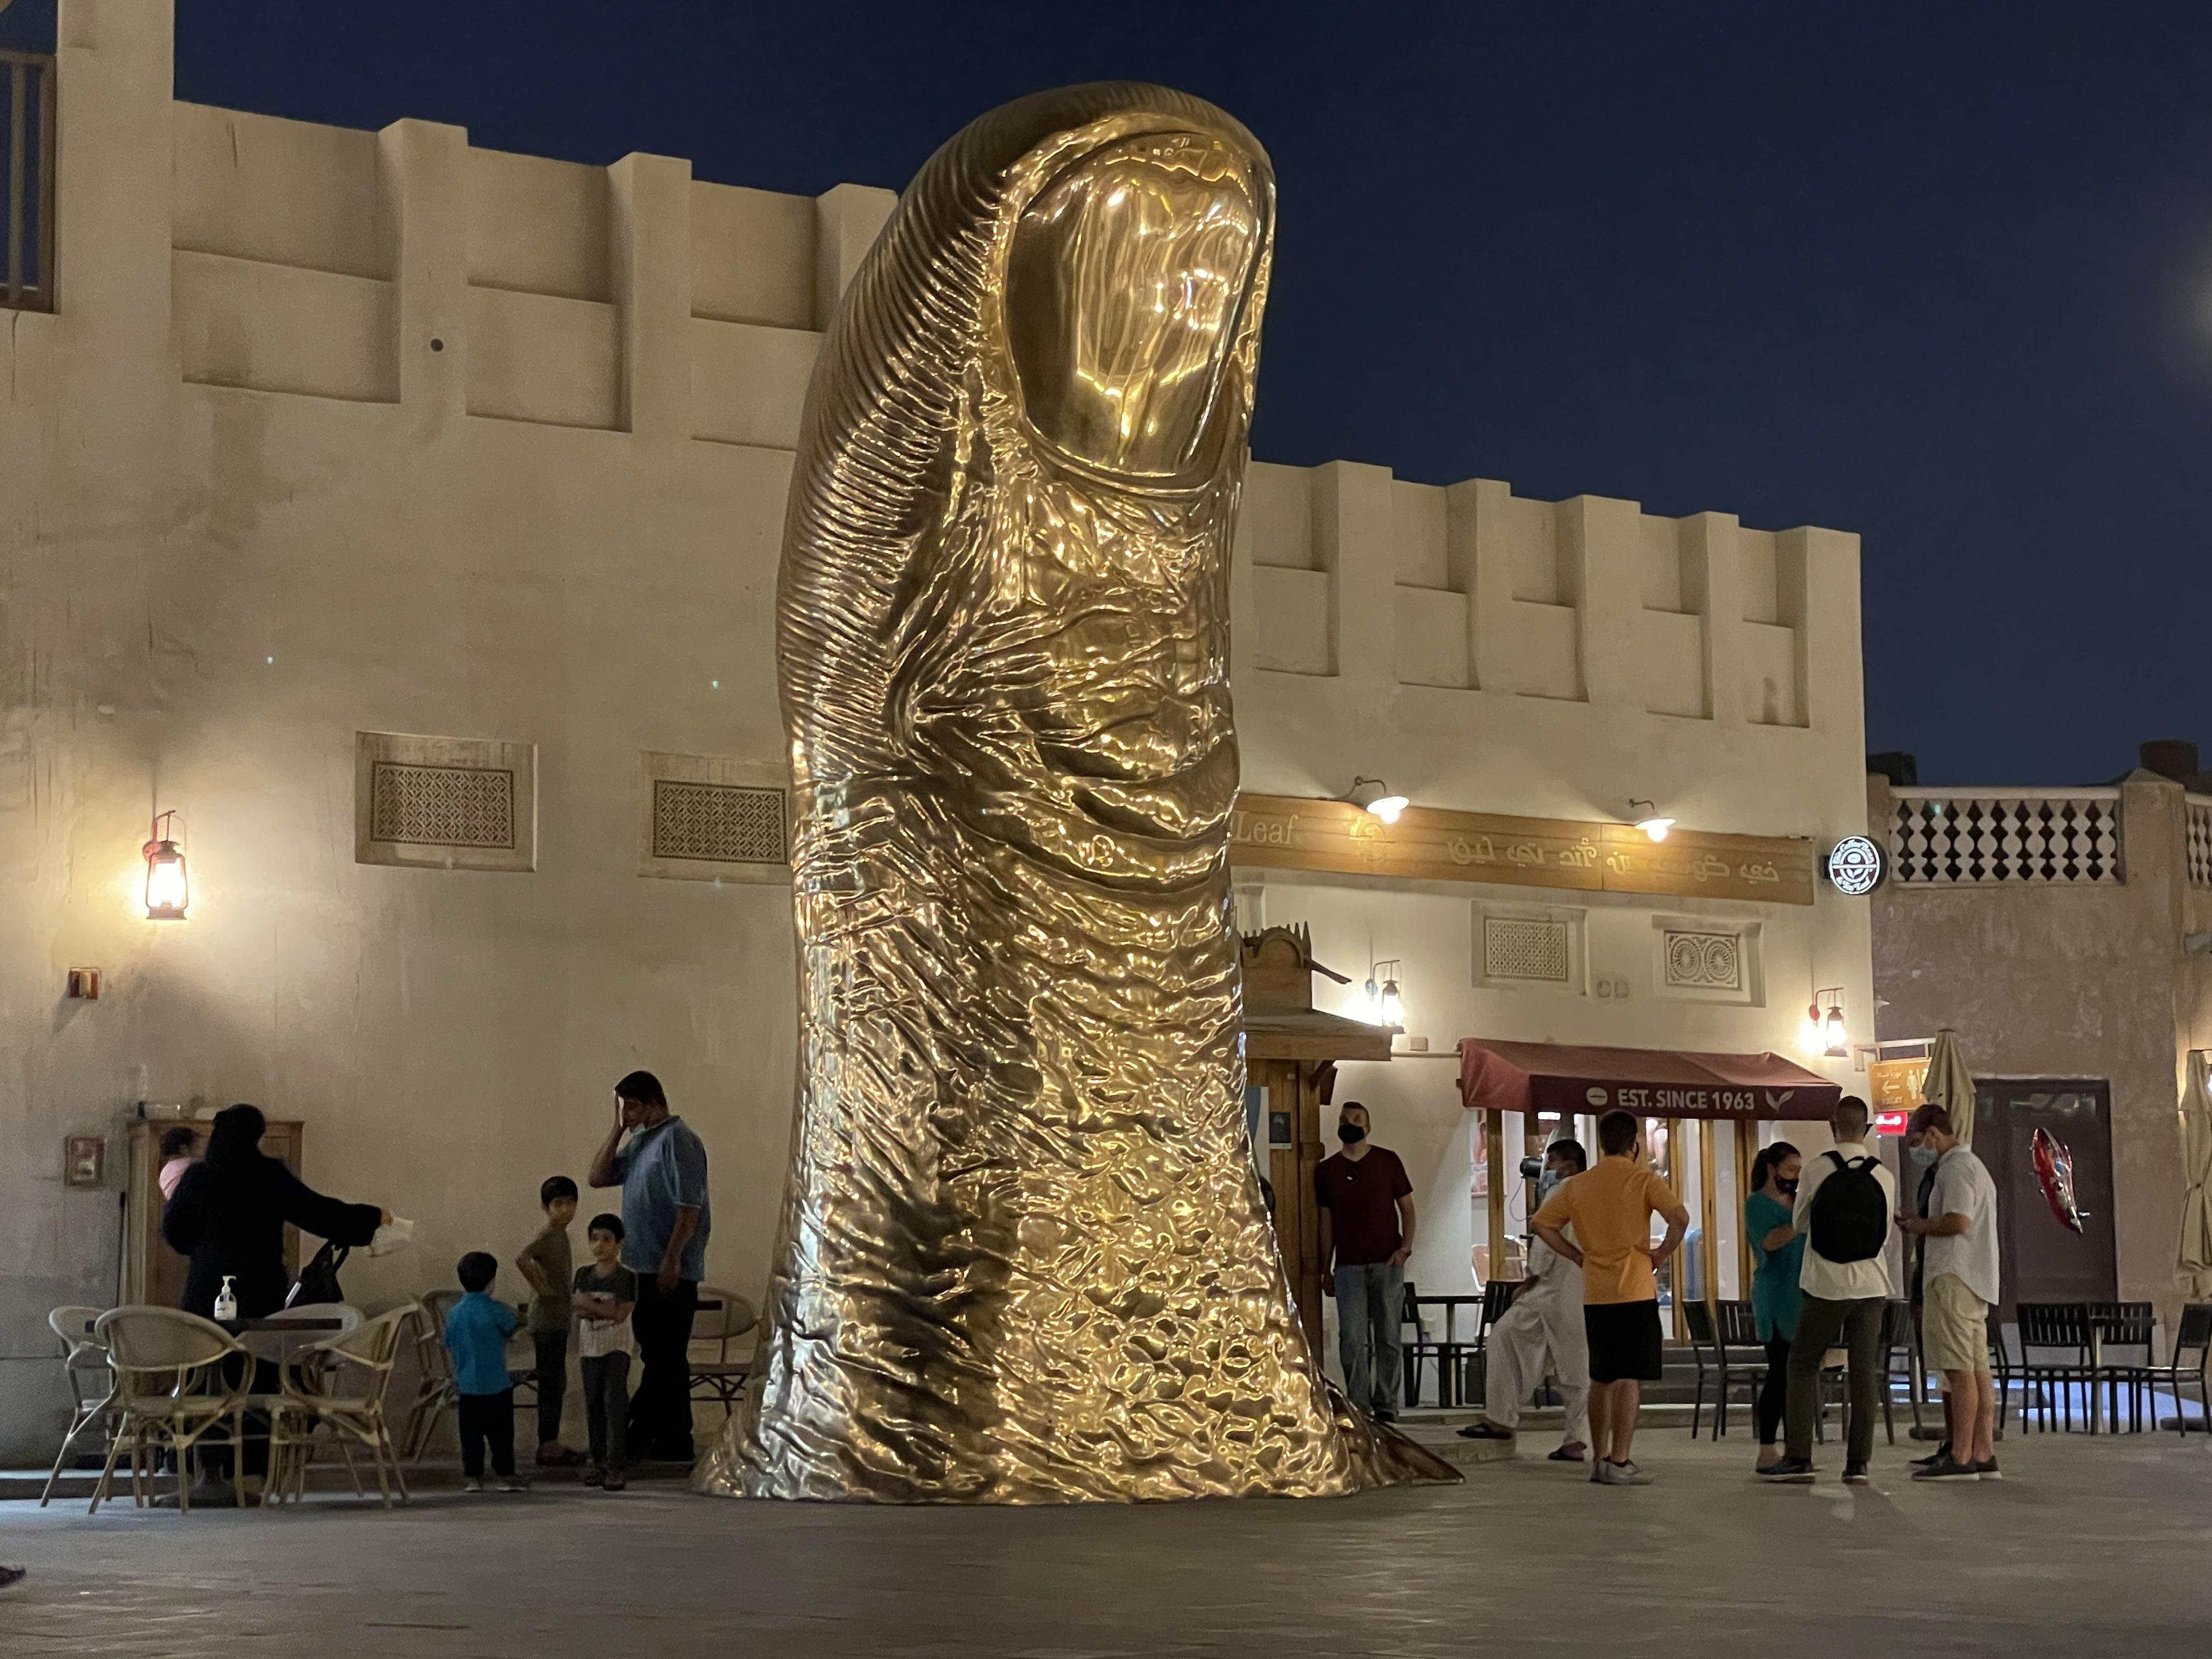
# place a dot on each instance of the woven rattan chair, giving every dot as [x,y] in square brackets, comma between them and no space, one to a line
[92,1385]
[434,1393]
[171,1394]
[337,1387]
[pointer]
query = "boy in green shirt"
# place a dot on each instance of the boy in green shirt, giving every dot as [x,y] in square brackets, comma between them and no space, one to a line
[546,1266]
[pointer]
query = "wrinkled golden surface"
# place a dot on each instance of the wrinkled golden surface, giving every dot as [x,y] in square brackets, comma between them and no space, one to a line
[1022,1256]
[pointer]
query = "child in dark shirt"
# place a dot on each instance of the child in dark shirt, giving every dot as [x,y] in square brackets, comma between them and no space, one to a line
[605,1292]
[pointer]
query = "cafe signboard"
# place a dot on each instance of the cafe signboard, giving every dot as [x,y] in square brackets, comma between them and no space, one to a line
[1283,832]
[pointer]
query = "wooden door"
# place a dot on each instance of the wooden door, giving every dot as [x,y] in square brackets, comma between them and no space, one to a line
[153,1273]
[2042,1259]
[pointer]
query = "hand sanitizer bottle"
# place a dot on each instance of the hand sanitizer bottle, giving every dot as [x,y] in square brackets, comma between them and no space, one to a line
[226,1302]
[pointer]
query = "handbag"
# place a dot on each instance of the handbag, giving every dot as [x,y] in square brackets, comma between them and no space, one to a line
[318,1279]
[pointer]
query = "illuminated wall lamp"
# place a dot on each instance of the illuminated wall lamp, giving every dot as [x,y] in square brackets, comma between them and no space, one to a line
[1824,1025]
[1373,795]
[1654,824]
[168,890]
[1384,1000]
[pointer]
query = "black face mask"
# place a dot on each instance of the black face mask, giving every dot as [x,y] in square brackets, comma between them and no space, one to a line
[1787,1188]
[1349,1132]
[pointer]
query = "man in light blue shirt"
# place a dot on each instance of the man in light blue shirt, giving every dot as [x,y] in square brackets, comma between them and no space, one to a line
[665,1221]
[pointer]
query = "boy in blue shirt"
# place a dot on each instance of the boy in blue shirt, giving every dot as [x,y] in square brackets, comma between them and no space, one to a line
[475,1336]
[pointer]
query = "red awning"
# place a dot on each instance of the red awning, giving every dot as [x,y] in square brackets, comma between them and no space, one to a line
[1556,1077]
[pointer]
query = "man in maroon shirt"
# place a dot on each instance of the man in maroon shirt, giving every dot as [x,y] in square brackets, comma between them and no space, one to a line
[1366,1235]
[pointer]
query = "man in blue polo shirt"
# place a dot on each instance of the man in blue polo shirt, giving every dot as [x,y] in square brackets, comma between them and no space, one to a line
[665,1221]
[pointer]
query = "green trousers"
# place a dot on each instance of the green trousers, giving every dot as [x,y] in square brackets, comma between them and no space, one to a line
[1821,1325]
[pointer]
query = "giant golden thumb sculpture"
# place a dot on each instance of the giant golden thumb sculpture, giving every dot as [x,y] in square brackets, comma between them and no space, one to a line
[1022,1256]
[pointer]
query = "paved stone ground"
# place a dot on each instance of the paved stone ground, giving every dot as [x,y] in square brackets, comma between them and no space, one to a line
[2091,1548]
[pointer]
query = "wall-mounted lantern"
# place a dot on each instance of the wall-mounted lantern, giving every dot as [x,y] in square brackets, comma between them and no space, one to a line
[1385,1006]
[1373,795]
[1824,1025]
[1651,820]
[168,890]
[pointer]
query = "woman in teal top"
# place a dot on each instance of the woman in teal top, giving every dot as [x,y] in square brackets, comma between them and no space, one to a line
[1779,1249]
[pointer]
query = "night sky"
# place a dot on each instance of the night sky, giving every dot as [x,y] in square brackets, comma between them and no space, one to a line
[1938,274]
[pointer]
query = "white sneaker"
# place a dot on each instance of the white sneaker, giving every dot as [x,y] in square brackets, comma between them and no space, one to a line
[513,1483]
[1630,1473]
[472,1484]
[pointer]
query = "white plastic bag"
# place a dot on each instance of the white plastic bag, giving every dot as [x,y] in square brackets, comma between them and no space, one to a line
[395,1235]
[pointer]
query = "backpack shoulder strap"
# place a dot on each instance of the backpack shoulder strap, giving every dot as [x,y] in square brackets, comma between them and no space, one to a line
[1837,1160]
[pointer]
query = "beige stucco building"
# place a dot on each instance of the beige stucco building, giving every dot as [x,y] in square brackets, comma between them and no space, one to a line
[343,454]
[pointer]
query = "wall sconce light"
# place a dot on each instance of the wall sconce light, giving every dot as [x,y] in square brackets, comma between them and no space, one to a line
[1374,796]
[1653,823]
[168,891]
[1384,1004]
[1824,1025]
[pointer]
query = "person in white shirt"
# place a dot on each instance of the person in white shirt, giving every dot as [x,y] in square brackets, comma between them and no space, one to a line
[1846,1283]
[1541,1331]
[1961,1276]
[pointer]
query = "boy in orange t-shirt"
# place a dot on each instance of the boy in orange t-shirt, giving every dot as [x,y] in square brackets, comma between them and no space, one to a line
[1610,1206]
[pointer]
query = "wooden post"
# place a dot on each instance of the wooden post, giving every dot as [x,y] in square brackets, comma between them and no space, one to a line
[1676,1174]
[1302,1083]
[1709,1201]
[1744,1133]
[1493,1147]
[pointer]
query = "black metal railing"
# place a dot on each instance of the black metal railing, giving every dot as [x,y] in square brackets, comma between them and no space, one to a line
[27,212]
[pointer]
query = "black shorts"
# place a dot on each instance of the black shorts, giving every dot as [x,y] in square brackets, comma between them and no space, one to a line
[1624,1340]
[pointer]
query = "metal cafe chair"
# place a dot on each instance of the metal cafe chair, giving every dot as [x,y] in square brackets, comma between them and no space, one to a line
[2192,1338]
[2124,1326]
[171,1394]
[1720,1333]
[1452,1358]
[722,1377]
[92,1385]
[361,1359]
[2057,1351]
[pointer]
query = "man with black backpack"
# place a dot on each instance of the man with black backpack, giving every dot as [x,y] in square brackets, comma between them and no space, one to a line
[1845,1198]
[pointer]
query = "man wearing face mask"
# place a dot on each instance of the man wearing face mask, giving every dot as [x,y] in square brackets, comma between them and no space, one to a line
[1366,1235]
[1959,1235]
[1541,1332]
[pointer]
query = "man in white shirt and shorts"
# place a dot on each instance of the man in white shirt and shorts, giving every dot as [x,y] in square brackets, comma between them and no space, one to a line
[1961,1276]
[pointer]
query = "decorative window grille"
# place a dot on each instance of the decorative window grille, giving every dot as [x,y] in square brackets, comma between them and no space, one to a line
[2200,842]
[1703,961]
[441,805]
[729,823]
[445,803]
[713,817]
[1525,948]
[2049,837]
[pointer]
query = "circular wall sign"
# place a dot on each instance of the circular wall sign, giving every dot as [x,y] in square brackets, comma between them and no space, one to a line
[1854,864]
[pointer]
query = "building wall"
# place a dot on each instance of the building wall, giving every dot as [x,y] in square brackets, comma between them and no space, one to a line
[2072,979]
[338,431]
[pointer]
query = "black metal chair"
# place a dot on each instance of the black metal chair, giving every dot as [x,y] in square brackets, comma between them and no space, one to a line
[1453,1359]
[2001,1370]
[2193,1336]
[2129,1327]
[1725,1342]
[2057,1352]
[1896,1350]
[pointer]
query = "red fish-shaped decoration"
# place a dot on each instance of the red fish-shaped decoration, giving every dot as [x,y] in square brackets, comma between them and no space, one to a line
[2054,1168]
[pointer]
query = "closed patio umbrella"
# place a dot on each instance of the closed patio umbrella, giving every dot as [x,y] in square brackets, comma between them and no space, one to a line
[1950,1083]
[2194,1268]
